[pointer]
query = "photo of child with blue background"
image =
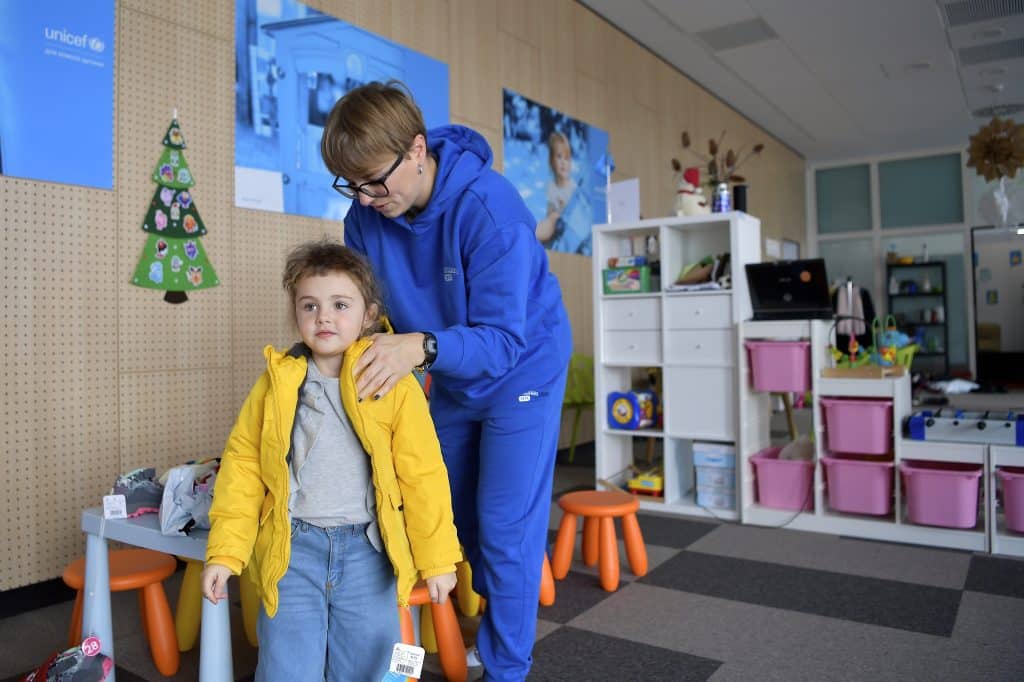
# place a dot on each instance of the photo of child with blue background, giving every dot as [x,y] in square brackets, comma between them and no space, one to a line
[558,165]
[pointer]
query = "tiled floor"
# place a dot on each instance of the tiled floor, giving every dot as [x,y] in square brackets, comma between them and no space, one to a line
[720,602]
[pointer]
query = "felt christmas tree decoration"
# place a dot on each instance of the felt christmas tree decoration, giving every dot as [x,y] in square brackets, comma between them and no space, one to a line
[173,259]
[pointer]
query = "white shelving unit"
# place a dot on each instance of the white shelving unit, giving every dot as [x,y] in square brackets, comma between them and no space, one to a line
[1001,539]
[689,336]
[754,437]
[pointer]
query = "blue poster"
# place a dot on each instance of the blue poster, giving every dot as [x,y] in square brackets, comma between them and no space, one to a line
[292,64]
[57,91]
[558,164]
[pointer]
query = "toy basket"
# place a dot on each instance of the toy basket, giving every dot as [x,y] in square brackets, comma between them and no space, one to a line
[861,427]
[859,486]
[783,483]
[942,493]
[780,366]
[1013,496]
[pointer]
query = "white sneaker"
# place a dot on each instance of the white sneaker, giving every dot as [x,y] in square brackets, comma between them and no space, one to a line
[473,658]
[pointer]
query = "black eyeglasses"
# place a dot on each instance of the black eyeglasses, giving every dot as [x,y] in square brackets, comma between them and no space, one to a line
[374,189]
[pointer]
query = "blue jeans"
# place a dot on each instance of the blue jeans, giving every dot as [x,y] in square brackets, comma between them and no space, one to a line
[337,618]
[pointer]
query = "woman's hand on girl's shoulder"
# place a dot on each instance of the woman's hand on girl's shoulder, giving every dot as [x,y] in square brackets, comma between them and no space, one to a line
[386,362]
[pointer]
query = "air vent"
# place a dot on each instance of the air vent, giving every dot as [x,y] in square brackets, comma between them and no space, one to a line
[1000,110]
[740,34]
[972,11]
[993,52]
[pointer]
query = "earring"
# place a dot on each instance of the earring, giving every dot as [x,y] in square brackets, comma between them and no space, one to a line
[419,169]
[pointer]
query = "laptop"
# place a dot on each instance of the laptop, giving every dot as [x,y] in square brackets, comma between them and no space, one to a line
[789,290]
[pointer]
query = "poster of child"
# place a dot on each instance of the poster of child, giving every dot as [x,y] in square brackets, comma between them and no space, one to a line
[556,163]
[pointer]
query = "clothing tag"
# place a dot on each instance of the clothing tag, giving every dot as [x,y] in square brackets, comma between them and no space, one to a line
[114,507]
[407,660]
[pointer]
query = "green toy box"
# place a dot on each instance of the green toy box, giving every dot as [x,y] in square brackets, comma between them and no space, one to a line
[630,280]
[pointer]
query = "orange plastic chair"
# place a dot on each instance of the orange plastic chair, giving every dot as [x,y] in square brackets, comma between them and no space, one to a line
[143,570]
[599,508]
[441,631]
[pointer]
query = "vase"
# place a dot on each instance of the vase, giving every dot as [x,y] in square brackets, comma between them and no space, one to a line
[739,198]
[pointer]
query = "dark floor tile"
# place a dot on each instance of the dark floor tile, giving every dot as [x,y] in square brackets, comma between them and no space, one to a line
[918,608]
[582,457]
[996,575]
[571,654]
[573,595]
[675,532]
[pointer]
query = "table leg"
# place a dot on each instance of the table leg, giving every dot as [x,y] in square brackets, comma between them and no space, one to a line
[96,605]
[215,642]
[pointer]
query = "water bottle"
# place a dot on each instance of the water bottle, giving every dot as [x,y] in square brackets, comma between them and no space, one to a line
[721,202]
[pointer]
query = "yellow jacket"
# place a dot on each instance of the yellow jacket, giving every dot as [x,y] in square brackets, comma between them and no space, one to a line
[249,515]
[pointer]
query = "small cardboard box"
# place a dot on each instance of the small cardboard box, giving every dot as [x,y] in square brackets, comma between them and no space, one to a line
[631,280]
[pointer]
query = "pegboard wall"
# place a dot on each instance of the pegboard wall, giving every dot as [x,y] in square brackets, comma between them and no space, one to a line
[103,376]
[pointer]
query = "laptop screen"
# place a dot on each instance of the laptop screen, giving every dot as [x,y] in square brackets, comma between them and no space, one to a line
[794,288]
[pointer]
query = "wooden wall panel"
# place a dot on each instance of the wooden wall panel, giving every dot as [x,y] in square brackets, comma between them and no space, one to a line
[105,376]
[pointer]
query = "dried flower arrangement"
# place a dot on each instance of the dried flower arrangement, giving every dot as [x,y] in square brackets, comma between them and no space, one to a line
[997,149]
[719,169]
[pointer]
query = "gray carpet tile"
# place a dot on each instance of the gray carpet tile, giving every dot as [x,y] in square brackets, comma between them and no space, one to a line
[571,654]
[919,608]
[573,595]
[668,531]
[767,643]
[996,575]
[906,563]
[989,634]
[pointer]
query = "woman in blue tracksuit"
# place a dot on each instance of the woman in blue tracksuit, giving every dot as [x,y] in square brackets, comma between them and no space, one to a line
[469,292]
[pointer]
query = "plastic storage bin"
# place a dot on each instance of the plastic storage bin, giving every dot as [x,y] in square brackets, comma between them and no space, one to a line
[1013,496]
[861,427]
[715,464]
[941,493]
[858,486]
[780,366]
[783,483]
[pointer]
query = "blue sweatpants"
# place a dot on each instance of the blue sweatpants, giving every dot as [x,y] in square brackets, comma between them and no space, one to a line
[501,465]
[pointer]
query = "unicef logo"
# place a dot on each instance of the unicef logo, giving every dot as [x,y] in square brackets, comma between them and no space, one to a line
[96,44]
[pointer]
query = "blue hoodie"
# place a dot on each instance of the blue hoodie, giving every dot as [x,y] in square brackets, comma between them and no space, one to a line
[469,269]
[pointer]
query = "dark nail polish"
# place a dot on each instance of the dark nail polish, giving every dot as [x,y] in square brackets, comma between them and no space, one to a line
[359,400]
[376,397]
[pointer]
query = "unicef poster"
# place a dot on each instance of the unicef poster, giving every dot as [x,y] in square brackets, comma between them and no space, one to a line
[558,164]
[57,91]
[292,64]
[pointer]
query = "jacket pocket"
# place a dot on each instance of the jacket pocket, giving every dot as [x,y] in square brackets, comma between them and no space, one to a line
[267,508]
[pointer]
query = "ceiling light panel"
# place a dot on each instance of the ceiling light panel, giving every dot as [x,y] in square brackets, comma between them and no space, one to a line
[740,34]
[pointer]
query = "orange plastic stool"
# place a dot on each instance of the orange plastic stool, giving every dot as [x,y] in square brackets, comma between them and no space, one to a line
[599,509]
[143,570]
[471,603]
[450,647]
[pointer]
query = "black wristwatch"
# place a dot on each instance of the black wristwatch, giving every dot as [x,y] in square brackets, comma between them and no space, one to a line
[429,352]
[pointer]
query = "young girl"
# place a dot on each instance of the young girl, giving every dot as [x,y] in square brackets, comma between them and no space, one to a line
[298,496]
[560,188]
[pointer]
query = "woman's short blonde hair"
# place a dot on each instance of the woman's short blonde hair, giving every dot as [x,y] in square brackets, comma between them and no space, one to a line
[325,256]
[367,125]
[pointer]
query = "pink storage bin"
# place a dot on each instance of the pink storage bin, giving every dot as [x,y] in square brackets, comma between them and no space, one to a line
[783,483]
[862,427]
[858,486]
[1013,496]
[780,366]
[941,493]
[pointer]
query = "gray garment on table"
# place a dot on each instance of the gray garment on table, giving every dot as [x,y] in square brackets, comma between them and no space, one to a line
[329,474]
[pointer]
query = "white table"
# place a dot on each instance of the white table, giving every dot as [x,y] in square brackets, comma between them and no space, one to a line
[144,531]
